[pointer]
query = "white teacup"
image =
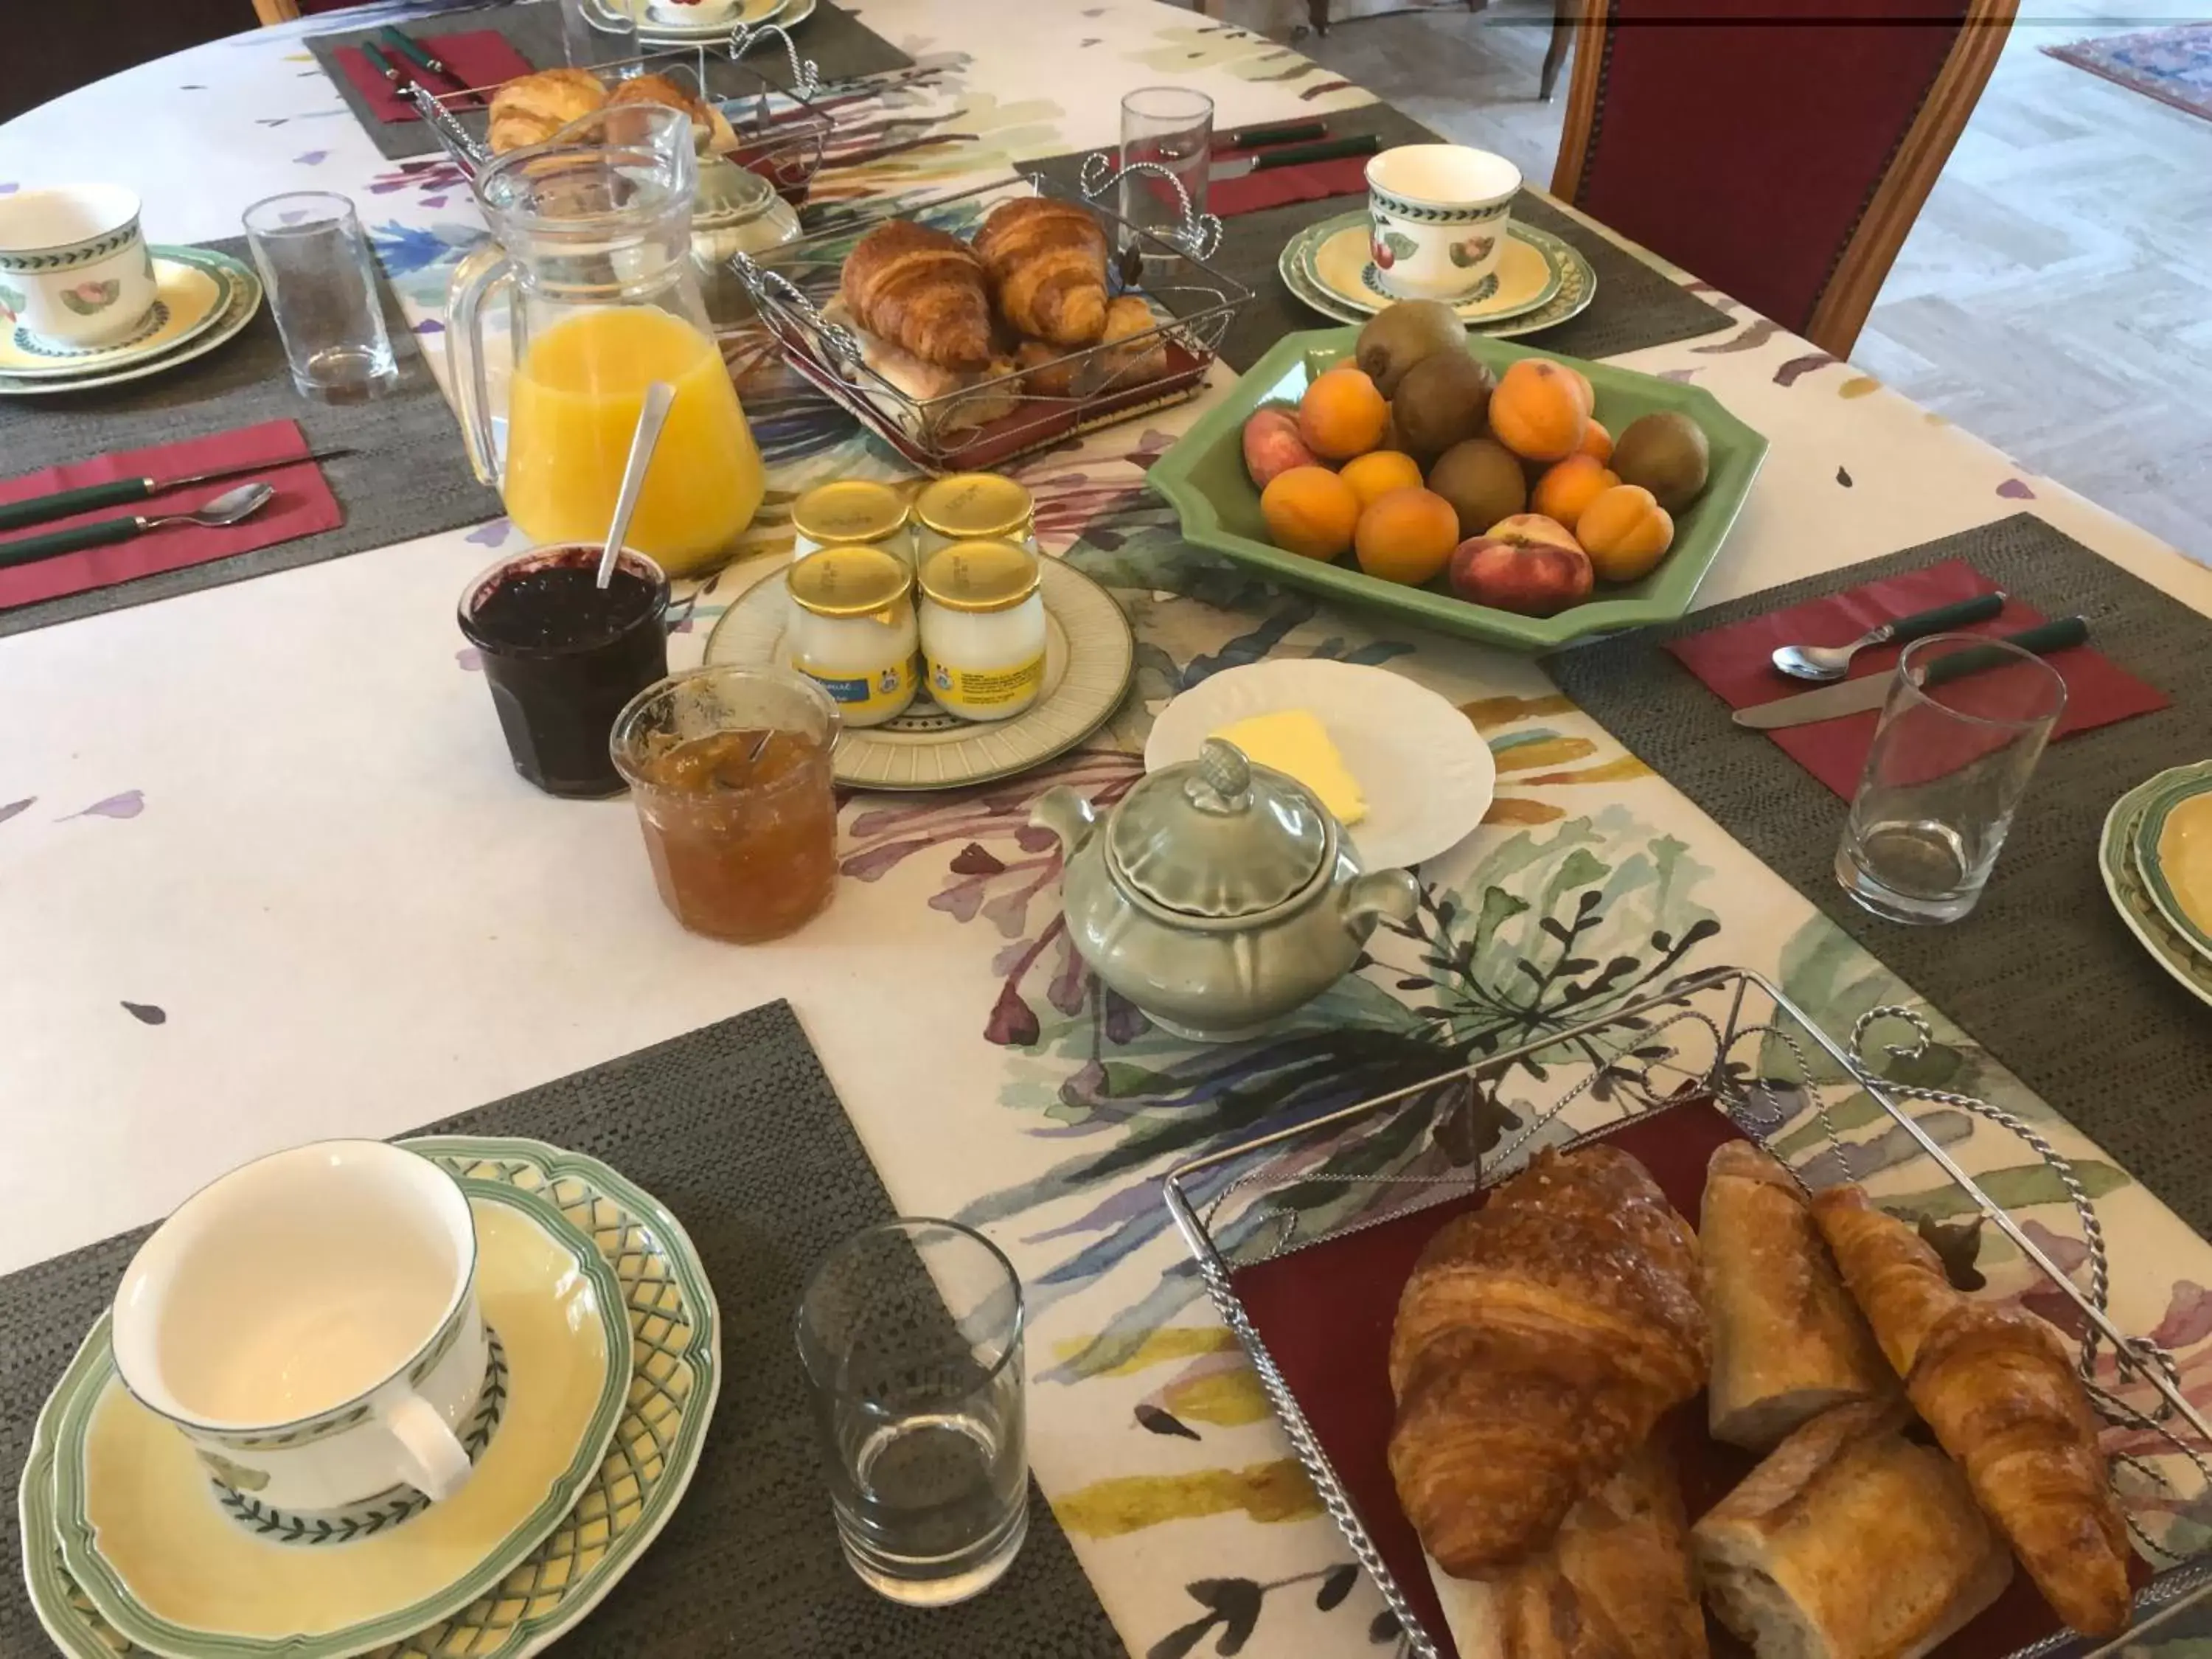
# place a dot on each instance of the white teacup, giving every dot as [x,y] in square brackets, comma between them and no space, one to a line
[74,265]
[1439,215]
[310,1322]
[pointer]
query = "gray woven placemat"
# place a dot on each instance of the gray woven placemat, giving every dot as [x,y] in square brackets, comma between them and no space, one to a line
[2042,973]
[839,45]
[735,1129]
[408,475]
[1636,305]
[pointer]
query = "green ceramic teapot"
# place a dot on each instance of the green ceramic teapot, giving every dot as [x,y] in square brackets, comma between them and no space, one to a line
[1217,895]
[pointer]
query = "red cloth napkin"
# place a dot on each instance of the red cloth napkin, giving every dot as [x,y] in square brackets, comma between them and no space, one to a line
[1325,1313]
[303,507]
[1733,662]
[1272,187]
[480,58]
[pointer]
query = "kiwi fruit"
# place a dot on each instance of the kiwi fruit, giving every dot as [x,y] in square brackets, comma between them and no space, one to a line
[1442,400]
[1399,335]
[1666,453]
[1482,478]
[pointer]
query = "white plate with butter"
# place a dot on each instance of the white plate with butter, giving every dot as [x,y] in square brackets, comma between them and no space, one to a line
[1422,774]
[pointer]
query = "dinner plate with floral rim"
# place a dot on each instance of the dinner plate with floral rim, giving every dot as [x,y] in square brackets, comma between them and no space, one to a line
[676,1379]
[2170,855]
[190,295]
[784,14]
[1577,288]
[2124,883]
[244,301]
[183,1564]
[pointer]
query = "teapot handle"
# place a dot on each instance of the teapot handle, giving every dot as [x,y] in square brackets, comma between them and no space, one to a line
[483,271]
[1380,895]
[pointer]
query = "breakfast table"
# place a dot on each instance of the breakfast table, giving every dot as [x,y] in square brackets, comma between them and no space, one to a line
[267,876]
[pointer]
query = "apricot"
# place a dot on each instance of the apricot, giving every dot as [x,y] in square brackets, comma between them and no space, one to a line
[1582,384]
[1625,532]
[1407,536]
[1376,474]
[1343,415]
[1596,442]
[1537,411]
[1310,512]
[1272,447]
[1570,486]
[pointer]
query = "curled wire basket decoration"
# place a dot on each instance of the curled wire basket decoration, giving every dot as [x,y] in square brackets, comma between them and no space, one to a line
[1726,1042]
[781,132]
[1004,413]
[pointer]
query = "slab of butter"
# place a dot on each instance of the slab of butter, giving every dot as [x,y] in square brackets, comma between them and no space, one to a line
[1293,741]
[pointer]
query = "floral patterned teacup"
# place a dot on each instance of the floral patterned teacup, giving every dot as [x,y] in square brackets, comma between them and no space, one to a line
[74,266]
[1439,215]
[310,1322]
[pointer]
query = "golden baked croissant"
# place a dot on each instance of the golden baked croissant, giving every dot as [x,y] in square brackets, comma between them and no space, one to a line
[1788,1342]
[1106,366]
[1996,1386]
[1615,1582]
[709,127]
[1537,1341]
[1046,261]
[923,291]
[531,109]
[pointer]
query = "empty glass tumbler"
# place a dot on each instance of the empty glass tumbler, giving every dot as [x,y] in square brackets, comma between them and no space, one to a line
[315,263]
[1964,723]
[1167,137]
[911,1333]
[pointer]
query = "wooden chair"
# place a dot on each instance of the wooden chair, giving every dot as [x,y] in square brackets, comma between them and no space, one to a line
[1782,162]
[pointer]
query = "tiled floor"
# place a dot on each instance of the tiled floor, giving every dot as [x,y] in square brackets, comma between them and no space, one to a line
[2056,296]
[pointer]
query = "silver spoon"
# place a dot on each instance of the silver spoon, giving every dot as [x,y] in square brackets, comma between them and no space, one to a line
[228,508]
[1832,662]
[650,414]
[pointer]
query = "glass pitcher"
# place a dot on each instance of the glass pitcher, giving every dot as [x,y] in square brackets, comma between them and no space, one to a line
[592,250]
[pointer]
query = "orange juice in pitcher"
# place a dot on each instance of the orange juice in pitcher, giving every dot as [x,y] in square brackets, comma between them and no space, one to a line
[592,237]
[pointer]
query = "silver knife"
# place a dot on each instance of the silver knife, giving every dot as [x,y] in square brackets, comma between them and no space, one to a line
[1872,690]
[1292,156]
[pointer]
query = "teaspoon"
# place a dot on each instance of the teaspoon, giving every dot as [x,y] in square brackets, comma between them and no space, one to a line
[228,508]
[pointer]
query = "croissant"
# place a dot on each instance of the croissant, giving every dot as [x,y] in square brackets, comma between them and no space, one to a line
[710,128]
[1787,1340]
[1996,1386]
[923,291]
[1537,1341]
[1046,261]
[1615,1582]
[531,109]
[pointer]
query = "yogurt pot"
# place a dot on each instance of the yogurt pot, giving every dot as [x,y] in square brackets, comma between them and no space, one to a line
[982,628]
[853,631]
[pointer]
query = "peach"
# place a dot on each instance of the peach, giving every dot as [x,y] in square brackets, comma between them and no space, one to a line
[1272,447]
[1526,563]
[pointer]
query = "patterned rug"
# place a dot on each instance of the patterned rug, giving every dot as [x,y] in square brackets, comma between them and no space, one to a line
[2173,65]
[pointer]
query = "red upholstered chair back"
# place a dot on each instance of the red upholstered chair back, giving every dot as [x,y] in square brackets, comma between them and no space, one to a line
[1781,161]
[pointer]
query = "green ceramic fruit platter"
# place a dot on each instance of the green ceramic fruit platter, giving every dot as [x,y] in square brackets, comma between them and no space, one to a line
[1203,477]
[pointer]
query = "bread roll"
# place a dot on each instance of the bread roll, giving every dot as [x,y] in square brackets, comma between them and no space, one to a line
[1849,1541]
[1615,1582]
[531,109]
[1788,1342]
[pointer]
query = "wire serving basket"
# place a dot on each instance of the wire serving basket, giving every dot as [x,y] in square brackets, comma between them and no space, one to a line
[781,132]
[1718,1054]
[1010,410]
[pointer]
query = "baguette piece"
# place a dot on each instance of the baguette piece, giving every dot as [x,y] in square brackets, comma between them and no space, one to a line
[1788,1342]
[1849,1541]
[1538,1342]
[1615,1582]
[922,290]
[1997,1387]
[531,109]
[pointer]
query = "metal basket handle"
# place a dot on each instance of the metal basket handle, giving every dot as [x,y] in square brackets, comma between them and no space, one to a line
[805,78]
[1200,234]
[838,342]
[458,142]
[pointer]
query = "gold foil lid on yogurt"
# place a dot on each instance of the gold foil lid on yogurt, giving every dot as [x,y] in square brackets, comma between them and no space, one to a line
[850,580]
[980,576]
[973,506]
[848,510]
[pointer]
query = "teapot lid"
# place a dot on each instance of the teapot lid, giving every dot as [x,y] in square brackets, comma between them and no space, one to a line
[1219,837]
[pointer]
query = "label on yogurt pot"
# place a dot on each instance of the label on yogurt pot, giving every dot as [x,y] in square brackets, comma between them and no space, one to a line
[886,690]
[985,689]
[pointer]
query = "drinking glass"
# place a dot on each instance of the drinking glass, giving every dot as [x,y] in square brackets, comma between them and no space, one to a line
[599,32]
[911,1334]
[731,771]
[1171,128]
[1950,761]
[315,262]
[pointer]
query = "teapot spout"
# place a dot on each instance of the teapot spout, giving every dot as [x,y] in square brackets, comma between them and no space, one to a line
[1068,815]
[1379,895]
